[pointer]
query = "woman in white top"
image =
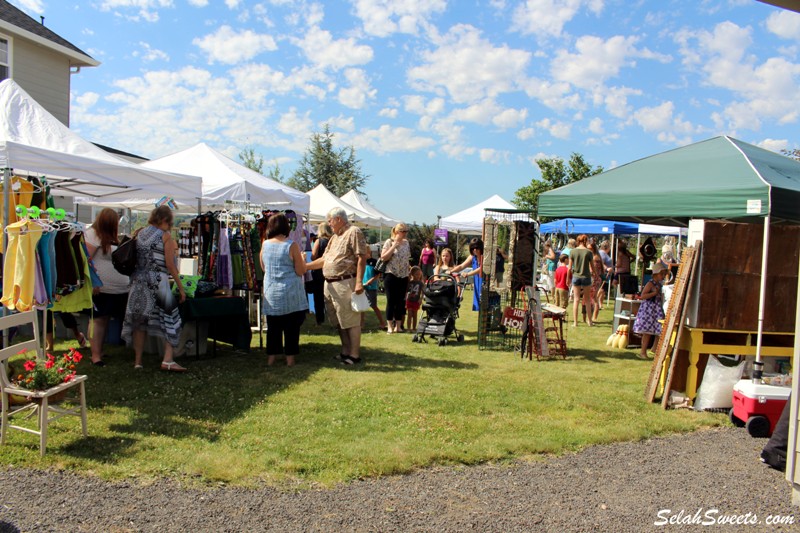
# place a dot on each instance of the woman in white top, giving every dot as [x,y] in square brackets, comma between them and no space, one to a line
[396,253]
[111,299]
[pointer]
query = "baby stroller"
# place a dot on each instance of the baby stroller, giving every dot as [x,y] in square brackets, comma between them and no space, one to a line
[440,309]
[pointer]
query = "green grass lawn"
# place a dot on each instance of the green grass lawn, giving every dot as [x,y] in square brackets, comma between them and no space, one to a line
[233,419]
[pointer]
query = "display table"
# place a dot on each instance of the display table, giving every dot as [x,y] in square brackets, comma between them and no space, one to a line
[227,317]
[697,342]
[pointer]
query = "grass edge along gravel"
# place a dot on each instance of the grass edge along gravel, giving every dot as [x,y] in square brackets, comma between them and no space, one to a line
[234,420]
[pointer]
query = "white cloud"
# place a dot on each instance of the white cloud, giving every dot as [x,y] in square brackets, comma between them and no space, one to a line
[596,60]
[171,110]
[558,96]
[776,145]
[596,126]
[229,47]
[198,3]
[469,67]
[785,24]
[388,112]
[489,112]
[662,121]
[419,105]
[559,130]
[490,155]
[341,123]
[525,134]
[232,4]
[615,100]
[385,17]
[359,92]
[326,52]
[147,8]
[510,118]
[548,17]
[32,6]
[766,90]
[149,54]
[256,81]
[389,139]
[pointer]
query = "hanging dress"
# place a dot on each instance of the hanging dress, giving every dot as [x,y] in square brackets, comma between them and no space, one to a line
[477,283]
[151,304]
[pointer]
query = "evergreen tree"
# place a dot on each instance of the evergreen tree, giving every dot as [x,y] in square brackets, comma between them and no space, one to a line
[251,159]
[337,169]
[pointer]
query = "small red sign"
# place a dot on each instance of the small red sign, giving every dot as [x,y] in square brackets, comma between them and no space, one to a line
[513,317]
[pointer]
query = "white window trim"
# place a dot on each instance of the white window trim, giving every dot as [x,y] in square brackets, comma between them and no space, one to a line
[10,67]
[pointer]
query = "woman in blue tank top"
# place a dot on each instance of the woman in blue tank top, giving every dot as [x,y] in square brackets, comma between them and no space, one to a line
[285,300]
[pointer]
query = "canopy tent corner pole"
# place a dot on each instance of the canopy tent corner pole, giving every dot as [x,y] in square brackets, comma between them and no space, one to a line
[762,298]
[7,206]
[794,401]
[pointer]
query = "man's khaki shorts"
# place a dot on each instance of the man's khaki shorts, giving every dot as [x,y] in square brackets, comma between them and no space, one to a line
[337,304]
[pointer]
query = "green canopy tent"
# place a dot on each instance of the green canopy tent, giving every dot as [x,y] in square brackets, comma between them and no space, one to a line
[719,178]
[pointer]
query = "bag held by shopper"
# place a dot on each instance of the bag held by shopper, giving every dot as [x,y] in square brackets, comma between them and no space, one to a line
[124,257]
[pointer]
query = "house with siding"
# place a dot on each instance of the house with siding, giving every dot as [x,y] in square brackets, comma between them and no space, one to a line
[39,60]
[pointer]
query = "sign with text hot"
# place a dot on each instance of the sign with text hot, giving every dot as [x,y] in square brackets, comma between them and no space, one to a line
[440,237]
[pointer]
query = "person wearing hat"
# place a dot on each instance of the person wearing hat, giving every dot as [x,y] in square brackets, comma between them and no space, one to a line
[651,309]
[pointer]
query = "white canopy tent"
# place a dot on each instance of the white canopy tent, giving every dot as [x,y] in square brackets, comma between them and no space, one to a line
[32,141]
[470,220]
[323,200]
[357,200]
[225,179]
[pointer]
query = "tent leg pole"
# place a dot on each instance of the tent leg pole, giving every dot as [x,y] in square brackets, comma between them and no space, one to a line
[794,401]
[7,202]
[638,245]
[762,298]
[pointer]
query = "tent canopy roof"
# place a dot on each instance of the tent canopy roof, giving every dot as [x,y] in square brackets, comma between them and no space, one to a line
[720,178]
[323,200]
[34,141]
[225,179]
[470,220]
[355,199]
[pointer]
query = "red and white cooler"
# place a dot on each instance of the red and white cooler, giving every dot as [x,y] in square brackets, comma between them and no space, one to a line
[757,406]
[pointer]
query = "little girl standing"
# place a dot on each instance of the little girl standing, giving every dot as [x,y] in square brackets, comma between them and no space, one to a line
[651,309]
[414,297]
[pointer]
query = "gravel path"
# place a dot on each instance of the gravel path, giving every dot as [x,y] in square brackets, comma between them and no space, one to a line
[616,488]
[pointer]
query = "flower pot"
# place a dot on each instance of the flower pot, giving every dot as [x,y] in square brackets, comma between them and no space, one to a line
[54,399]
[18,400]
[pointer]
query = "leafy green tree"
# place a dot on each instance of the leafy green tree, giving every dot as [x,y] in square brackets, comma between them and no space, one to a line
[337,169]
[251,159]
[794,153]
[555,174]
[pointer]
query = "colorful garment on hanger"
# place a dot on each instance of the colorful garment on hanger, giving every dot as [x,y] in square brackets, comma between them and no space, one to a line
[19,265]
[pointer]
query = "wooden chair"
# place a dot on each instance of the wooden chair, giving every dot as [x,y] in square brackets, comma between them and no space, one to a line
[40,400]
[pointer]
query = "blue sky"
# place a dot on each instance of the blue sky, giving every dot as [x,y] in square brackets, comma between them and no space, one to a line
[445,102]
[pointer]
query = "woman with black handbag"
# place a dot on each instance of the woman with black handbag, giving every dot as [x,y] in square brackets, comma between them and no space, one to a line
[152,307]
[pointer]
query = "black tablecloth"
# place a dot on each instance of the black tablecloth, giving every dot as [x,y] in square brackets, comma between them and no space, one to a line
[227,317]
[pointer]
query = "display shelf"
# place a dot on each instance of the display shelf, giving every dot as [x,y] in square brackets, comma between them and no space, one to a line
[632,307]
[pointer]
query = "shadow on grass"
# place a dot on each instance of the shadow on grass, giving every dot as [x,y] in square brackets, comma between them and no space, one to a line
[215,391]
[600,356]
